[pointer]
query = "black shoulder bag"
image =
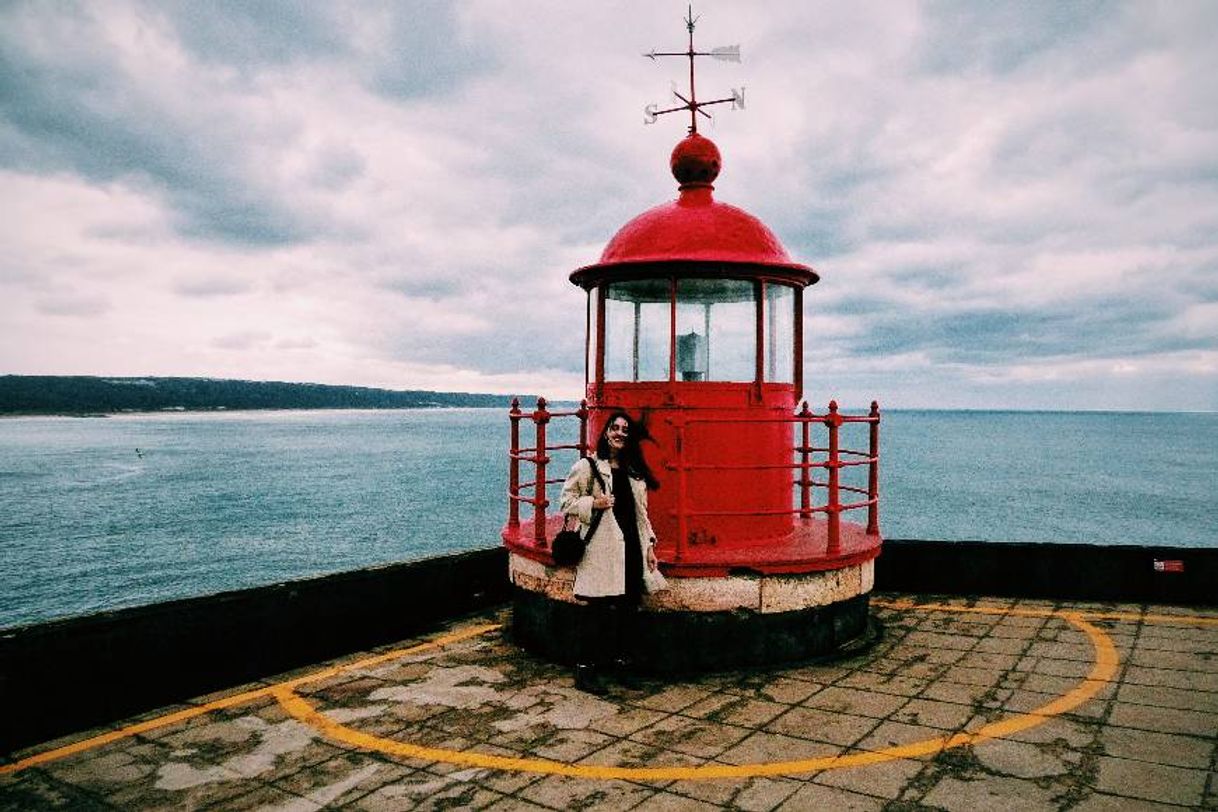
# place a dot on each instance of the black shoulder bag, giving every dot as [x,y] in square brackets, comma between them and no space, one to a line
[568,546]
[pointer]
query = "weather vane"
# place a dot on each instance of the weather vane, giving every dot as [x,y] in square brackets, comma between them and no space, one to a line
[726,53]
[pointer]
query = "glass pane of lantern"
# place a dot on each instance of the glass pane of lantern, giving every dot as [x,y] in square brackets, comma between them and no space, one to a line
[636,331]
[716,330]
[779,333]
[590,361]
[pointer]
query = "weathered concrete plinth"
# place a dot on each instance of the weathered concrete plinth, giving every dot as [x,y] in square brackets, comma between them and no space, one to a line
[705,624]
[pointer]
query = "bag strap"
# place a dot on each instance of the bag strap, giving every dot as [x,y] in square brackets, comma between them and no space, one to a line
[596,514]
[596,473]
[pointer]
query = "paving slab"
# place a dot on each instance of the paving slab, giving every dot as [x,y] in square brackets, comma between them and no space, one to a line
[1152,782]
[965,704]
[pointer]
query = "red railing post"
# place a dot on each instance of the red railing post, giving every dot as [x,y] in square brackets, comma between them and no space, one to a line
[805,460]
[541,417]
[873,474]
[833,420]
[678,424]
[583,427]
[514,415]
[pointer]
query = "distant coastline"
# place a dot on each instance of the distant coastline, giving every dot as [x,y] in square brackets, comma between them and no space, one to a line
[93,396]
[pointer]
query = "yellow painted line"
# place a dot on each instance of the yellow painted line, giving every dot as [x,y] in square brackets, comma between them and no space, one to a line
[949,607]
[1102,671]
[236,699]
[1134,617]
[131,730]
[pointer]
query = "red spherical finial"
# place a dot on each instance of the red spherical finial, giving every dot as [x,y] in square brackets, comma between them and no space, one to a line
[695,161]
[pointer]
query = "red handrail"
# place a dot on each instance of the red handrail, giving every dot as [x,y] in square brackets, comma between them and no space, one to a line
[836,459]
[514,466]
[834,422]
[833,507]
[805,464]
[538,454]
[873,472]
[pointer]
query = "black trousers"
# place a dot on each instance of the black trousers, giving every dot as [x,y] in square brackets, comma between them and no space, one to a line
[606,629]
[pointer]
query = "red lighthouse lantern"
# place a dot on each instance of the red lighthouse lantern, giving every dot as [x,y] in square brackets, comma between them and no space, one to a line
[695,326]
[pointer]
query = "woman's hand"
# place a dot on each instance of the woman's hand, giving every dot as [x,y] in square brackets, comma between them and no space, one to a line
[602,502]
[652,563]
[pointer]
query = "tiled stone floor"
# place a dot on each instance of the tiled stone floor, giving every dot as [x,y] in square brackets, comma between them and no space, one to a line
[422,727]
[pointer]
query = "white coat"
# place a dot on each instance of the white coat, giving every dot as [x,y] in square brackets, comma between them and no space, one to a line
[602,570]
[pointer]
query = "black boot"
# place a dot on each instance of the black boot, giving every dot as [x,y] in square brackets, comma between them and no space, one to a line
[590,656]
[624,673]
[588,678]
[621,630]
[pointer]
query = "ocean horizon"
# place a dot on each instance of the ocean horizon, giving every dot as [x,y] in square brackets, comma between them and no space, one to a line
[99,513]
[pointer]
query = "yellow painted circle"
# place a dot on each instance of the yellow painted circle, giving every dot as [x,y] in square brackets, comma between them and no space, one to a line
[1102,671]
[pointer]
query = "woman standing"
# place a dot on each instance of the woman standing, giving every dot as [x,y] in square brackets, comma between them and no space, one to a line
[609,577]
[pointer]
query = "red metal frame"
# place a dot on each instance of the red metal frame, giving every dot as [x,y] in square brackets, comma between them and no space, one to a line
[836,459]
[600,339]
[588,308]
[798,351]
[759,333]
[539,456]
[514,416]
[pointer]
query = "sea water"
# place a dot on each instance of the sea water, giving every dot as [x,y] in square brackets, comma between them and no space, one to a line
[102,513]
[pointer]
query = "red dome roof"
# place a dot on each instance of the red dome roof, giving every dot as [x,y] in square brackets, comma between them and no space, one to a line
[696,228]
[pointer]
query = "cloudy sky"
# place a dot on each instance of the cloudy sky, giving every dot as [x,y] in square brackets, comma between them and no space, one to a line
[1010,205]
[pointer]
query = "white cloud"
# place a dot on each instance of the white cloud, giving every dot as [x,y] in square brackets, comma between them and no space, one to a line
[1001,200]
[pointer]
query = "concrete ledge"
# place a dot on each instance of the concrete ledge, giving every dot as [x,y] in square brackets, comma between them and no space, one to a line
[754,592]
[73,674]
[1062,571]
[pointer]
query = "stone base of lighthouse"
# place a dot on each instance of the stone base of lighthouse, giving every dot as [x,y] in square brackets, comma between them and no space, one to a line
[706,624]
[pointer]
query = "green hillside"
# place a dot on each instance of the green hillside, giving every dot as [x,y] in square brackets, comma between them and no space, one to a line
[73,394]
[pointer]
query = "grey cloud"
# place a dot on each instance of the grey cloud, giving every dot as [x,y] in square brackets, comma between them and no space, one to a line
[67,102]
[81,113]
[1202,285]
[426,54]
[215,211]
[249,35]
[72,304]
[210,204]
[335,168]
[1003,37]
[434,287]
[997,336]
[415,50]
[306,343]
[523,343]
[856,304]
[241,341]
[207,286]
[529,327]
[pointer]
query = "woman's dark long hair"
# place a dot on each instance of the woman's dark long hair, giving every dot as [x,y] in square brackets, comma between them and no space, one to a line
[631,455]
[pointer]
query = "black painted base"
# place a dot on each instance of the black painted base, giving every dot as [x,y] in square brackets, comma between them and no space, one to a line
[1081,572]
[687,642]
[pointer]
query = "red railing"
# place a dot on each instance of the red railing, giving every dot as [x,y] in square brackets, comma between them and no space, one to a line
[833,463]
[835,459]
[538,455]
